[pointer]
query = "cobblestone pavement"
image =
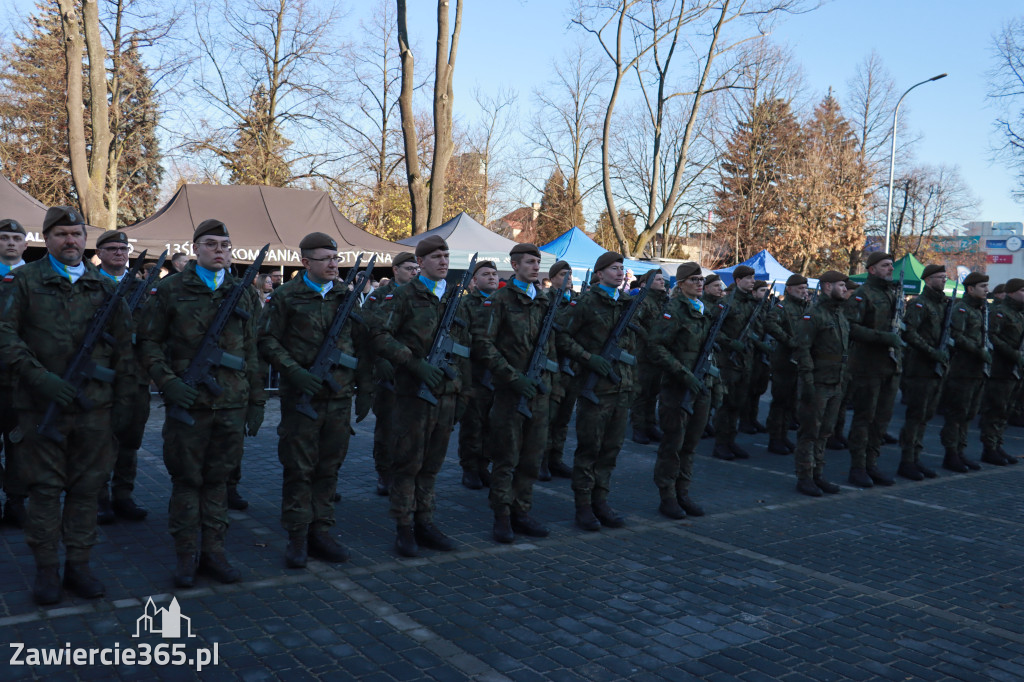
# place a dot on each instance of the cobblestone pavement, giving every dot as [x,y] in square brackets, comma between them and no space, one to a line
[917,581]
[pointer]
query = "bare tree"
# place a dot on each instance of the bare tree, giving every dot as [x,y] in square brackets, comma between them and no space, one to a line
[928,202]
[1006,89]
[489,139]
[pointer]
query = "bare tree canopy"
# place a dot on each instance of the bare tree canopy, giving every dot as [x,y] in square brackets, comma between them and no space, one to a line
[1006,89]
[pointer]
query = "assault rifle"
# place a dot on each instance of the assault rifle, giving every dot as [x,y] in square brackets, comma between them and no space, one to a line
[444,346]
[1016,367]
[898,310]
[611,351]
[539,361]
[209,355]
[766,337]
[82,368]
[585,286]
[147,284]
[705,364]
[748,328]
[329,356]
[986,368]
[946,339]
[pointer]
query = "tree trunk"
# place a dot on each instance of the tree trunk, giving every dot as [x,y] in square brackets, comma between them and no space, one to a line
[417,190]
[444,70]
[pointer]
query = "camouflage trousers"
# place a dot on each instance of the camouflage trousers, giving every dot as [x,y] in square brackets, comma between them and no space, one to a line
[420,449]
[311,451]
[78,467]
[383,434]
[643,414]
[760,375]
[816,410]
[200,459]
[921,395]
[560,411]
[959,407]
[12,480]
[518,445]
[474,429]
[784,401]
[737,383]
[673,469]
[997,400]
[600,430]
[129,440]
[874,396]
[844,407]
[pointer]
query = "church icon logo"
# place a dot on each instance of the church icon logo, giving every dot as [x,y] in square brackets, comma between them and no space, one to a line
[166,622]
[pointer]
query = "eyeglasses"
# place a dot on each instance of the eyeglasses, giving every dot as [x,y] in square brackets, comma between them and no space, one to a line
[216,246]
[325,259]
[115,249]
[695,280]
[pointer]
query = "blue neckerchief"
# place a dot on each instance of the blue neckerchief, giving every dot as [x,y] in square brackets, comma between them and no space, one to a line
[525,287]
[321,289]
[210,278]
[5,268]
[109,276]
[611,291]
[697,304]
[484,294]
[69,271]
[436,288]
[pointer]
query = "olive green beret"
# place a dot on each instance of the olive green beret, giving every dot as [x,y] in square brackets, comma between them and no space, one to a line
[975,278]
[1000,289]
[430,245]
[111,236]
[318,240]
[796,280]
[742,271]
[61,215]
[525,248]
[851,284]
[711,279]
[877,256]
[403,257]
[930,270]
[687,270]
[760,283]
[557,268]
[832,276]
[606,259]
[484,264]
[12,225]
[1013,285]
[212,227]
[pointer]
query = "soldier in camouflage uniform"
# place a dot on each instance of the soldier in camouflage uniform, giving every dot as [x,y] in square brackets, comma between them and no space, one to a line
[674,344]
[564,388]
[714,292]
[292,329]
[45,316]
[405,269]
[601,427]
[200,457]
[822,347]
[505,334]
[735,360]
[112,250]
[1007,336]
[837,441]
[922,384]
[474,427]
[405,339]
[967,372]
[643,413]
[760,371]
[781,323]
[876,362]
[12,246]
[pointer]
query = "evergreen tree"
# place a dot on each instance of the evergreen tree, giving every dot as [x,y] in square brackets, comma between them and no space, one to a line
[139,171]
[605,234]
[561,207]
[257,156]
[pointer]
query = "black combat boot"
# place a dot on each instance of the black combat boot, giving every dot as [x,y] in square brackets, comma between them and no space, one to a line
[46,589]
[835,443]
[430,536]
[606,515]
[969,463]
[807,487]
[128,510]
[859,477]
[990,456]
[471,480]
[640,436]
[405,542]
[14,511]
[236,501]
[925,471]
[826,486]
[655,434]
[185,570]
[560,469]
[215,565]
[778,447]
[544,474]
[889,439]
[524,524]
[1007,457]
[325,547]
[79,579]
[909,471]
[502,531]
[686,502]
[104,511]
[722,451]
[383,485]
[748,427]
[952,462]
[485,476]
[738,452]
[670,507]
[877,477]
[789,444]
[296,554]
[585,518]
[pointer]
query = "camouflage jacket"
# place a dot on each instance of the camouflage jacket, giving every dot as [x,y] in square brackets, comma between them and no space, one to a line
[406,333]
[473,305]
[594,316]
[781,322]
[7,376]
[823,342]
[561,381]
[967,332]
[1006,331]
[677,337]
[42,324]
[741,305]
[292,329]
[171,329]
[924,318]
[650,312]
[380,298]
[870,311]
[505,332]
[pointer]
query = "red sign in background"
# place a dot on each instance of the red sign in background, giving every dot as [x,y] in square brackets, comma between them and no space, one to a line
[1002,259]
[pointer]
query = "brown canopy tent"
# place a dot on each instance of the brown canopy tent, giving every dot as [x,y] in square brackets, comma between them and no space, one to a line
[18,204]
[257,215]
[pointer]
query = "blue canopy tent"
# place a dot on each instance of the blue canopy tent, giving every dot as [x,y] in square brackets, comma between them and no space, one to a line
[765,268]
[580,251]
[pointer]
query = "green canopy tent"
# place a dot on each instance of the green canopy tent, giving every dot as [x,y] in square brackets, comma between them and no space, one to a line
[914,268]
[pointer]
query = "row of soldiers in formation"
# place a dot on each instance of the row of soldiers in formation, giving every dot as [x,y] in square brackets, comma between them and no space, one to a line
[514,363]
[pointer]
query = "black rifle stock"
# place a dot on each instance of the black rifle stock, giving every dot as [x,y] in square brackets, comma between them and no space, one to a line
[611,351]
[444,346]
[82,368]
[328,356]
[734,357]
[539,361]
[705,361]
[209,355]
[899,309]
[946,339]
[986,368]
[136,298]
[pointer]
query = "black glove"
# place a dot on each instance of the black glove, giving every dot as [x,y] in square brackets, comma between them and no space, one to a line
[939,356]
[524,386]
[178,393]
[599,365]
[54,389]
[364,399]
[426,372]
[737,345]
[253,419]
[891,339]
[384,370]
[305,381]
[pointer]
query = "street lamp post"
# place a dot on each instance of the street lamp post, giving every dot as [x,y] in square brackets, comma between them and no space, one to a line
[892,157]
